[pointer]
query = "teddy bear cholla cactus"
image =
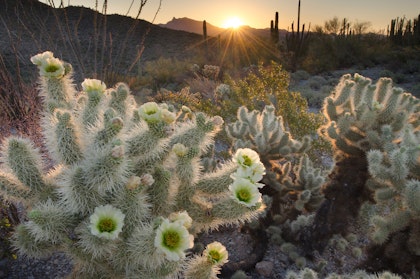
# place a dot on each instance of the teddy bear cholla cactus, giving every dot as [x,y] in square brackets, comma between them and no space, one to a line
[374,132]
[265,133]
[396,185]
[126,192]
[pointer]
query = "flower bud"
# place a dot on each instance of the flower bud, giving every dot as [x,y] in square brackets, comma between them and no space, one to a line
[179,149]
[118,151]
[133,183]
[147,179]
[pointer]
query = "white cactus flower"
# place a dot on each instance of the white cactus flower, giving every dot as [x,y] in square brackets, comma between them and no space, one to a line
[90,85]
[182,217]
[41,58]
[253,174]
[245,192]
[52,68]
[216,253]
[249,164]
[167,116]
[150,112]
[246,157]
[172,239]
[106,222]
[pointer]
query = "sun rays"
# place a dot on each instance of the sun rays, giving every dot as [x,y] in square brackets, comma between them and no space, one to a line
[233,22]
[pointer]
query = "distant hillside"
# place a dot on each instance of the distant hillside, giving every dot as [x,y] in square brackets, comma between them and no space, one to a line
[110,47]
[191,25]
[90,41]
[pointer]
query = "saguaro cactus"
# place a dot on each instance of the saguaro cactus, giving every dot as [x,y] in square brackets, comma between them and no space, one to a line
[126,193]
[274,29]
[297,42]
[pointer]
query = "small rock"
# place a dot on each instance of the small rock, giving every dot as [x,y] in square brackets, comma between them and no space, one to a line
[264,268]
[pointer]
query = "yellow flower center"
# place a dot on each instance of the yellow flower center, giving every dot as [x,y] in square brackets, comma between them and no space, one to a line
[150,112]
[171,239]
[106,225]
[247,161]
[51,68]
[243,195]
[215,256]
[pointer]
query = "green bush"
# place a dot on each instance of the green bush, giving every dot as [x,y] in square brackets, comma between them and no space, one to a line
[270,85]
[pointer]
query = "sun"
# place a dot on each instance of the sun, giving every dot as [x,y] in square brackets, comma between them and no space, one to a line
[233,22]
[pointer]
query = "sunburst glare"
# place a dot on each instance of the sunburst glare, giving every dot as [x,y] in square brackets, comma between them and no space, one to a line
[233,22]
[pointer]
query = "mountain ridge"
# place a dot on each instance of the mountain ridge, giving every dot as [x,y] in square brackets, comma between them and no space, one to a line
[196,26]
[191,25]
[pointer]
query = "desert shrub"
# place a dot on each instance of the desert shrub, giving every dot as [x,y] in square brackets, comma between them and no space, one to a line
[400,58]
[19,100]
[167,73]
[330,52]
[397,77]
[205,81]
[184,97]
[300,75]
[416,90]
[386,73]
[269,85]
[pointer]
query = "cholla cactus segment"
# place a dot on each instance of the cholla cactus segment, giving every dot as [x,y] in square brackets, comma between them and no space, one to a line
[25,162]
[126,189]
[359,109]
[12,189]
[411,195]
[265,133]
[393,169]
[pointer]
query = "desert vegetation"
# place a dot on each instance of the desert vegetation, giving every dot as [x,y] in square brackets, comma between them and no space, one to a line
[125,150]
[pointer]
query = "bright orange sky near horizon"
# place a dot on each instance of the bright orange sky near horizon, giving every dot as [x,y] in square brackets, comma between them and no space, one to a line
[258,14]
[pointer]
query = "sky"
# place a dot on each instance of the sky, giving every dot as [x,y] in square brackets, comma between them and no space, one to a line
[259,13]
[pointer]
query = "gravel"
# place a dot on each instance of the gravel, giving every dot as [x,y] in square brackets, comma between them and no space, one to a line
[54,267]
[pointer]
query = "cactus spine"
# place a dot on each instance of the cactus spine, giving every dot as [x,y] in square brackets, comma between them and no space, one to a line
[127,192]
